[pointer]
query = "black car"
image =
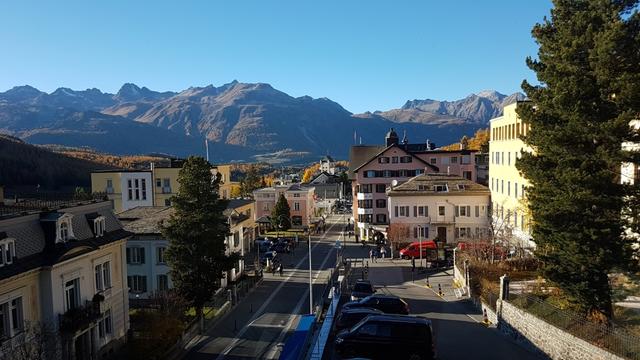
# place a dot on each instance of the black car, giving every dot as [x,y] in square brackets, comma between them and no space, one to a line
[388,337]
[388,304]
[350,317]
[361,289]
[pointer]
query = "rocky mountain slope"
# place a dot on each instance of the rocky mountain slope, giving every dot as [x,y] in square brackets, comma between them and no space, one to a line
[241,121]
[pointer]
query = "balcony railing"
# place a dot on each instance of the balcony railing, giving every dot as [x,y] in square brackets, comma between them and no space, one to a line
[364,196]
[443,219]
[79,318]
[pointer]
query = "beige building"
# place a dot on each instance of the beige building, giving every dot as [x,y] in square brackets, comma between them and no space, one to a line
[508,186]
[300,198]
[64,268]
[128,189]
[242,233]
[448,208]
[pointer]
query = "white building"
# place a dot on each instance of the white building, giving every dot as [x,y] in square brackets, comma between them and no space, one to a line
[447,207]
[147,269]
[328,165]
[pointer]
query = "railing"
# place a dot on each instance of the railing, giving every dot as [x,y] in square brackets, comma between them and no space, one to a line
[80,317]
[609,337]
[442,219]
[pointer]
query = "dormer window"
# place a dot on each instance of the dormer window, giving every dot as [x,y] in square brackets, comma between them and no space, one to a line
[7,251]
[65,231]
[99,226]
[440,188]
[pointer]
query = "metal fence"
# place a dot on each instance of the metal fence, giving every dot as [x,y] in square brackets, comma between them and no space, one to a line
[609,337]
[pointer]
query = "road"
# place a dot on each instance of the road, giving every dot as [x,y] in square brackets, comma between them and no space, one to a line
[259,325]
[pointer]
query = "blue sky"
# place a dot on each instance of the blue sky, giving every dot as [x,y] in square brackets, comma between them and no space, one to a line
[366,55]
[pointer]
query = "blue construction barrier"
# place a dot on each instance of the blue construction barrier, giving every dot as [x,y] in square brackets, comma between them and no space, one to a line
[295,346]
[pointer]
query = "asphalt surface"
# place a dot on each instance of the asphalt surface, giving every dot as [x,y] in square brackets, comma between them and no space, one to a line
[259,325]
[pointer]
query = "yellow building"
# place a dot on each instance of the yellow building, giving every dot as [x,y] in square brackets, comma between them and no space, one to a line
[508,186]
[128,189]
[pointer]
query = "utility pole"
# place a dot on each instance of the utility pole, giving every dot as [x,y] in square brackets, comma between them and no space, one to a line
[310,278]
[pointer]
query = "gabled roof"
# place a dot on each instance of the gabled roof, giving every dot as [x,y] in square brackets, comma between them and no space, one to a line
[425,185]
[358,154]
[328,158]
[236,203]
[399,147]
[329,177]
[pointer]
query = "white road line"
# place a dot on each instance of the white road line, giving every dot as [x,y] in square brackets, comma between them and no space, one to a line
[259,312]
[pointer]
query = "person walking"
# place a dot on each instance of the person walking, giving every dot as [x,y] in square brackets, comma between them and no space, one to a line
[357,236]
[413,263]
[383,252]
[280,269]
[371,255]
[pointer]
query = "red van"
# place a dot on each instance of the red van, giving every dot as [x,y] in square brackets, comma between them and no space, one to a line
[413,249]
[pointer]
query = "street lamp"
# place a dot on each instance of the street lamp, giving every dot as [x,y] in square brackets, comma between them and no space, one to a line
[310,280]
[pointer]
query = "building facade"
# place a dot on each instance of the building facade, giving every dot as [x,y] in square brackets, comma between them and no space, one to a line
[446,208]
[128,189]
[328,165]
[508,186]
[147,269]
[373,168]
[300,199]
[63,269]
[242,233]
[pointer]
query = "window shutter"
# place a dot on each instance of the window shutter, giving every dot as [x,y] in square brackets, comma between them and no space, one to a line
[407,211]
[141,255]
[426,232]
[396,211]
[415,211]
[426,211]
[415,232]
[468,210]
[457,212]
[128,256]
[477,210]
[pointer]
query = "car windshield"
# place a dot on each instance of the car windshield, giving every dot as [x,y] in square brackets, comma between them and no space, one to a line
[362,287]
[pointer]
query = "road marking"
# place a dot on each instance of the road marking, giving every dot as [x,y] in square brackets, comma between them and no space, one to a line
[259,312]
[441,297]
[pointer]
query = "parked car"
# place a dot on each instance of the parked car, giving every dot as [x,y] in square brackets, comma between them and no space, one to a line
[388,337]
[270,255]
[413,249]
[350,317]
[388,304]
[361,289]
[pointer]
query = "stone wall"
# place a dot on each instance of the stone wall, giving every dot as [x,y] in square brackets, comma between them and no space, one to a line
[539,335]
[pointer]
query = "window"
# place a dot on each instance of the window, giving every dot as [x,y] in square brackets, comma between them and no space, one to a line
[160,254]
[381,203]
[64,231]
[440,188]
[11,318]
[366,188]
[103,276]
[144,189]
[99,226]
[296,206]
[7,252]
[423,211]
[104,325]
[396,211]
[502,156]
[163,283]
[433,161]
[370,174]
[72,294]
[404,211]
[423,187]
[296,195]
[406,159]
[109,189]
[135,255]
[461,187]
[508,188]
[465,159]
[136,183]
[421,232]
[463,232]
[394,159]
[265,206]
[454,159]
[467,175]
[381,218]
[441,210]
[502,186]
[158,182]
[463,211]
[515,190]
[166,186]
[137,283]
[129,190]
[380,188]
[509,158]
[383,160]
[497,158]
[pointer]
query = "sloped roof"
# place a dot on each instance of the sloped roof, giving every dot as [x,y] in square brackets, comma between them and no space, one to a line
[145,219]
[359,154]
[399,147]
[424,185]
[236,203]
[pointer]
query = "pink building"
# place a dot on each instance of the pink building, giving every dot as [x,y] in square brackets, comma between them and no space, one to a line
[373,168]
[300,201]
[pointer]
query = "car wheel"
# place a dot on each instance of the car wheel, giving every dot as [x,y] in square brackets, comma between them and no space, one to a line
[415,357]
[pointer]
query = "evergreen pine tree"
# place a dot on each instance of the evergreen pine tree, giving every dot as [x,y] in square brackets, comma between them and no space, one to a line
[281,214]
[588,68]
[196,234]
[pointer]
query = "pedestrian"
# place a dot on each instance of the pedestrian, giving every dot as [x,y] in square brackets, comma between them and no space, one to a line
[280,269]
[349,232]
[356,237]
[273,268]
[413,263]
[383,251]
[371,255]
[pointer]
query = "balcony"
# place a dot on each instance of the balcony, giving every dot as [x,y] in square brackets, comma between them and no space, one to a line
[443,219]
[364,196]
[79,318]
[362,211]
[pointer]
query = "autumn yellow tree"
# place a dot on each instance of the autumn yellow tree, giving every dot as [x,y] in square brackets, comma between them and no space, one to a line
[309,172]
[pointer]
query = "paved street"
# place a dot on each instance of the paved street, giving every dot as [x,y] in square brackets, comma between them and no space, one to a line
[258,327]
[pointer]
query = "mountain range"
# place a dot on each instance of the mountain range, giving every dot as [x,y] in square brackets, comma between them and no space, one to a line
[241,121]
